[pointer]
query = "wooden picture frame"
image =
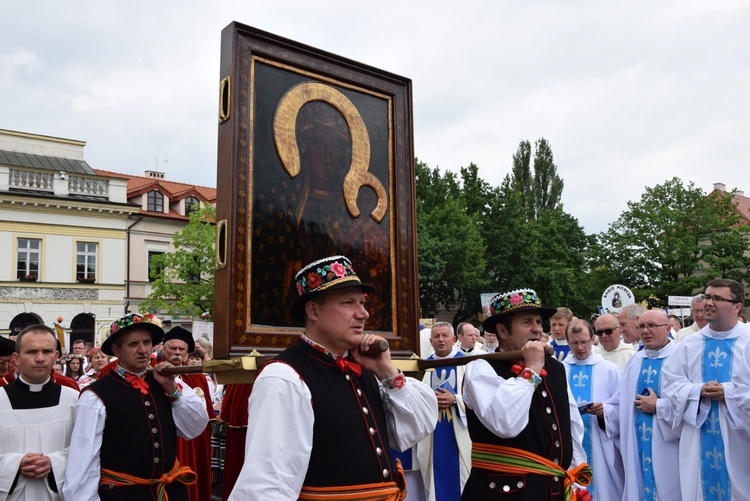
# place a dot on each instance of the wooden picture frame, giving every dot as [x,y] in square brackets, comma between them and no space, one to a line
[315,158]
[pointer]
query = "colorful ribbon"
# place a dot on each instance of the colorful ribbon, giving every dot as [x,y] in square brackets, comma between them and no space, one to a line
[181,474]
[509,460]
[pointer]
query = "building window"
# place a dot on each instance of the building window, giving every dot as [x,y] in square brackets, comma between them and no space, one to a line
[29,252]
[155,201]
[192,204]
[154,271]
[86,261]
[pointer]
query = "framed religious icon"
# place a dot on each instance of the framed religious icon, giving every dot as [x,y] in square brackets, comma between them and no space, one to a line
[315,159]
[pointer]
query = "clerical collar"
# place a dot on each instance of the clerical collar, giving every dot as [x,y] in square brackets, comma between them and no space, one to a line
[34,388]
[586,361]
[321,348]
[122,372]
[655,353]
[452,354]
[723,334]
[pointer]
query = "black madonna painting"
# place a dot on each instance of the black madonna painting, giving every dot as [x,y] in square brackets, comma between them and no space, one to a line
[319,163]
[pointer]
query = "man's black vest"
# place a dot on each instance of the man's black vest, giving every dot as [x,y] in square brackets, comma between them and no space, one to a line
[139,436]
[350,438]
[547,435]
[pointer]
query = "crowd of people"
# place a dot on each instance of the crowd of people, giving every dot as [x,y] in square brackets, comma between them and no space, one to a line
[627,406]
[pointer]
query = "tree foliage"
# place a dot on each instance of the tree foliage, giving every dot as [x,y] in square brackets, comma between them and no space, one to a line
[542,189]
[450,247]
[474,238]
[674,239]
[184,281]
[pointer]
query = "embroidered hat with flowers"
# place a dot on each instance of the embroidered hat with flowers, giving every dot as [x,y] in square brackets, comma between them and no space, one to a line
[502,305]
[127,323]
[335,272]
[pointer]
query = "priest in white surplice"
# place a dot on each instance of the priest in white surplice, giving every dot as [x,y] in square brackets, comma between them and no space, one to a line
[644,417]
[36,421]
[444,456]
[593,380]
[714,444]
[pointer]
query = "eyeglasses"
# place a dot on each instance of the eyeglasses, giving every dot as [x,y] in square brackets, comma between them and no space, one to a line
[717,299]
[697,311]
[649,326]
[576,344]
[607,332]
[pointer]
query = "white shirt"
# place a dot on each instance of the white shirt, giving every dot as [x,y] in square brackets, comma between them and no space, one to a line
[84,469]
[280,432]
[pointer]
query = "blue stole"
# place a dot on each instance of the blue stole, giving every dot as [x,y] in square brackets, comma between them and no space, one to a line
[581,382]
[445,462]
[649,377]
[716,366]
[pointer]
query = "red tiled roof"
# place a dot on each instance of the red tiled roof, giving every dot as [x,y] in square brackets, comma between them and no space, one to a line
[743,205]
[137,185]
[742,202]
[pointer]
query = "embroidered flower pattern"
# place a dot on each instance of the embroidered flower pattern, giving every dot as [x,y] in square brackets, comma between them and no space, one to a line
[322,273]
[125,321]
[515,299]
[338,269]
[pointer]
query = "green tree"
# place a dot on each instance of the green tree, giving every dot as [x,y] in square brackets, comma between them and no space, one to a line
[185,277]
[541,189]
[674,239]
[451,250]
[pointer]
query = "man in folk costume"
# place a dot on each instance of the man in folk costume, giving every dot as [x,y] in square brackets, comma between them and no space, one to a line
[714,443]
[128,421]
[644,419]
[444,456]
[525,428]
[36,421]
[322,416]
[195,453]
[593,380]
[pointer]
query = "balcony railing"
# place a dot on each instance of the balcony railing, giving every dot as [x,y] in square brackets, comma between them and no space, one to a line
[87,186]
[31,180]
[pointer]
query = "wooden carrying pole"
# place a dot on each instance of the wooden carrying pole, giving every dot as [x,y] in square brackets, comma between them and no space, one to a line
[502,356]
[244,369]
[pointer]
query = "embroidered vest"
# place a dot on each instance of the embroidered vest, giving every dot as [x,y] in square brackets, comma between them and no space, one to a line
[350,438]
[139,436]
[547,434]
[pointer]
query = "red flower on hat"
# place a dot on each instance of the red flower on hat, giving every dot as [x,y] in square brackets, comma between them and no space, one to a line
[313,280]
[516,299]
[338,269]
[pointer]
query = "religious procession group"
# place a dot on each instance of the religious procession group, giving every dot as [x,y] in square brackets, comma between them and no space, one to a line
[655,412]
[323,419]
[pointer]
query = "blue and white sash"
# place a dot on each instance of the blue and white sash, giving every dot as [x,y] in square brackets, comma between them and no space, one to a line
[581,382]
[649,377]
[716,366]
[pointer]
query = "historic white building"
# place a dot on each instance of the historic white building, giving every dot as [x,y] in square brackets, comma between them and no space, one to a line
[76,242]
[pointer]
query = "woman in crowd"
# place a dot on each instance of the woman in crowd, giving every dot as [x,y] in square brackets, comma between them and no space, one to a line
[59,367]
[97,361]
[74,367]
[203,345]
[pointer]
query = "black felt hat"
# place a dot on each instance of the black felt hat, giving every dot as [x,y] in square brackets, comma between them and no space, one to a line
[7,346]
[183,335]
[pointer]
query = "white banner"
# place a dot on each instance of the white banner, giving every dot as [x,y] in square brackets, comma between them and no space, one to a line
[615,297]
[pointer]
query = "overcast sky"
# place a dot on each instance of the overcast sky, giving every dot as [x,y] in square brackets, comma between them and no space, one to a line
[629,94]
